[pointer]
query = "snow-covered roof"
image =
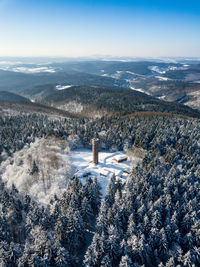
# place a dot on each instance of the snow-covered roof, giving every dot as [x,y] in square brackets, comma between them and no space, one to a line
[120,157]
[104,172]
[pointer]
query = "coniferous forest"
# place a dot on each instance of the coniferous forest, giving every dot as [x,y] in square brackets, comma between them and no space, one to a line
[151,220]
[99,133]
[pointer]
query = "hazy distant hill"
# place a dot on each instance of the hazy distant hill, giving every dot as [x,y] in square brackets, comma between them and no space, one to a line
[178,81]
[17,81]
[8,96]
[111,67]
[169,81]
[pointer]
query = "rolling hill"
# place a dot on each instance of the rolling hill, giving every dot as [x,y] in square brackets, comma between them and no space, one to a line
[18,81]
[170,80]
[19,107]
[8,96]
[99,101]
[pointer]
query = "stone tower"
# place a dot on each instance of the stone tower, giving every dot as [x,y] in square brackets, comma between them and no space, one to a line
[95,150]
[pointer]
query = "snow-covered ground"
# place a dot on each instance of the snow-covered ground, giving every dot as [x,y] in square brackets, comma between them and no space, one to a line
[118,73]
[184,67]
[158,69]
[62,87]
[195,101]
[28,69]
[162,97]
[161,78]
[81,159]
[163,70]
[40,169]
[139,90]
[18,66]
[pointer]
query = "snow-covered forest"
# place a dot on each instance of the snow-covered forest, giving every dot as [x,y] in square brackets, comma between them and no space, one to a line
[40,169]
[151,220]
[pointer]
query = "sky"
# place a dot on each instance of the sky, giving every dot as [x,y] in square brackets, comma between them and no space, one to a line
[78,28]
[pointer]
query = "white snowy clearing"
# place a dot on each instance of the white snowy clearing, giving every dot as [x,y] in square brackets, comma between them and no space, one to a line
[161,78]
[62,87]
[40,169]
[43,168]
[158,69]
[162,97]
[81,159]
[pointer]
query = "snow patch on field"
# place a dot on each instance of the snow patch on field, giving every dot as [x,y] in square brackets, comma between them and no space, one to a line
[163,70]
[34,70]
[119,73]
[130,72]
[9,63]
[158,69]
[28,69]
[139,90]
[162,97]
[62,87]
[41,169]
[184,67]
[161,78]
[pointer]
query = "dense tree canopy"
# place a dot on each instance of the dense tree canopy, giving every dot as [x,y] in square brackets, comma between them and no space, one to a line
[151,220]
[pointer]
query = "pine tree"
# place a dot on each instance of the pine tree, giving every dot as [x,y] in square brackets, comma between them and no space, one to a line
[126,261]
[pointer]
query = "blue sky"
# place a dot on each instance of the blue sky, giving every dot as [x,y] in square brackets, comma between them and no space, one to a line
[152,28]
